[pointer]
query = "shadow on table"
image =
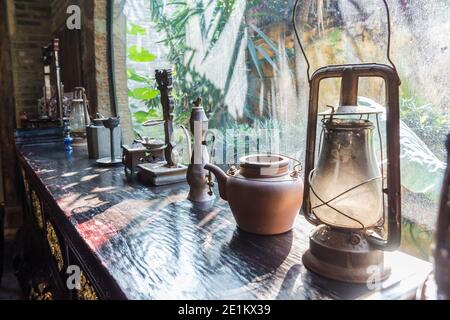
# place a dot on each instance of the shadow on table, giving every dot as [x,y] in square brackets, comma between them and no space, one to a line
[257,255]
[302,284]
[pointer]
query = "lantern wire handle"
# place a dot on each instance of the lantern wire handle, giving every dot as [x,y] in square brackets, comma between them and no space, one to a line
[388,54]
[294,15]
[308,65]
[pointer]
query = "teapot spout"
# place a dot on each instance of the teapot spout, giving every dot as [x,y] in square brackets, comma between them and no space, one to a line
[221,179]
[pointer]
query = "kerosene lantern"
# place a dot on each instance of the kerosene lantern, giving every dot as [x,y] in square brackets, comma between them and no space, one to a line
[352,197]
[79,114]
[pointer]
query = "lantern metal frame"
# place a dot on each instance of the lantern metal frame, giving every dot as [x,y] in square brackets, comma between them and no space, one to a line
[350,74]
[392,83]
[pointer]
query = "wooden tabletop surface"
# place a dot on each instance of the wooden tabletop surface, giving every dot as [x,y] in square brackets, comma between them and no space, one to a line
[155,245]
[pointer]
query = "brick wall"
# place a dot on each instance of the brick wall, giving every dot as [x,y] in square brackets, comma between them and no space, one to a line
[59,12]
[25,26]
[31,30]
[94,43]
[33,25]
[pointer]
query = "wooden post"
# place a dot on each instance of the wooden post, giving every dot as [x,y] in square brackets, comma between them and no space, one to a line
[164,81]
[7,115]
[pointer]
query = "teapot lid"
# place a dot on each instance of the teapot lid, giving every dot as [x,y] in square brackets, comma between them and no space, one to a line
[264,166]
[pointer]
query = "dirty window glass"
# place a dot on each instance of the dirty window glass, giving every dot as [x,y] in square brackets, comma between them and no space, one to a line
[242,59]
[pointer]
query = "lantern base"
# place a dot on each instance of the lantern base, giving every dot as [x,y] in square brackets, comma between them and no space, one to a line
[344,255]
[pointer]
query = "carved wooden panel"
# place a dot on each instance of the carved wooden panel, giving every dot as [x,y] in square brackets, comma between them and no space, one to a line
[37,209]
[41,292]
[86,291]
[55,246]
[26,183]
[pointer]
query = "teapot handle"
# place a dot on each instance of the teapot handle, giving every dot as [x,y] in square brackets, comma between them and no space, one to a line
[212,152]
[187,136]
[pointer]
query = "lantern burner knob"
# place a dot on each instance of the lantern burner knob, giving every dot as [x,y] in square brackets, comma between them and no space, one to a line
[355,239]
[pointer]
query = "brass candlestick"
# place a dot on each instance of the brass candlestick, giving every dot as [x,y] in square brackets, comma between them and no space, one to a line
[113,160]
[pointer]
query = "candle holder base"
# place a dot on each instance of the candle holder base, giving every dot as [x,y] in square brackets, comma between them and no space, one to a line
[107,162]
[159,174]
[345,256]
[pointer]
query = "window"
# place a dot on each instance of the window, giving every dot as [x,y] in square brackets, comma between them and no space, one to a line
[241,58]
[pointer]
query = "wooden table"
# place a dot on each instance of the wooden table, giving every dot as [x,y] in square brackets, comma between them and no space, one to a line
[137,242]
[2,241]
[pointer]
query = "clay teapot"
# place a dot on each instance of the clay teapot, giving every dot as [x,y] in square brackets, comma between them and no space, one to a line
[264,195]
